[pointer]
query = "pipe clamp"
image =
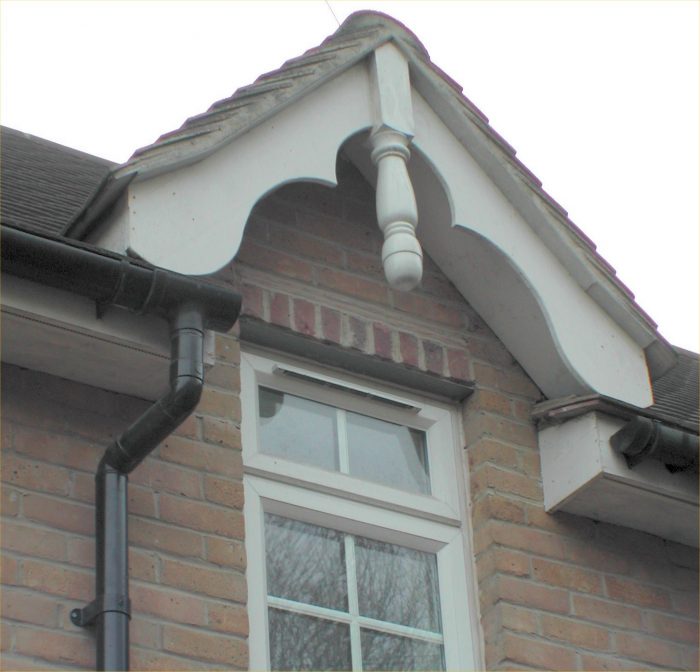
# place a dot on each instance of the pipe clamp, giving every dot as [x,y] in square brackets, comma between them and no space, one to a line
[103,603]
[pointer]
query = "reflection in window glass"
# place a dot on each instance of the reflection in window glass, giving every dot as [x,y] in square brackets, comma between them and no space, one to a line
[312,570]
[305,563]
[381,651]
[397,584]
[298,429]
[306,431]
[387,453]
[305,643]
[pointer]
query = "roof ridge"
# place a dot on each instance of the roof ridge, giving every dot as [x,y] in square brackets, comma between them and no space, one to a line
[365,20]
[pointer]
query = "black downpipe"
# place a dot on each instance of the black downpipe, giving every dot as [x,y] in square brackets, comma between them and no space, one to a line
[110,611]
[191,306]
[111,570]
[186,382]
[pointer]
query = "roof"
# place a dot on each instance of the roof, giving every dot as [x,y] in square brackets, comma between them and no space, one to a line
[676,392]
[359,35]
[44,184]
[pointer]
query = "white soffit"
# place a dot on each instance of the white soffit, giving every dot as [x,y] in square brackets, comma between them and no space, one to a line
[529,284]
[582,474]
[121,352]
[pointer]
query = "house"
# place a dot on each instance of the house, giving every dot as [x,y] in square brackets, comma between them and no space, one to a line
[372,400]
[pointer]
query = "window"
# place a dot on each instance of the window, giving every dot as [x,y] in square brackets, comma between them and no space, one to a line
[356,546]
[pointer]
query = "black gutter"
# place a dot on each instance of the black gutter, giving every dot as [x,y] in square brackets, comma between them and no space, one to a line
[647,433]
[643,438]
[190,306]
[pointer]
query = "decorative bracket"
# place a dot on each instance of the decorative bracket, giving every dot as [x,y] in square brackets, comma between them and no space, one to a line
[397,214]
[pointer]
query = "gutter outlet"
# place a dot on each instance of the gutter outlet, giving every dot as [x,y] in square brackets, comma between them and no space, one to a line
[643,438]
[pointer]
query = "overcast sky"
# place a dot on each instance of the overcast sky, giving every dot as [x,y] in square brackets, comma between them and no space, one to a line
[599,98]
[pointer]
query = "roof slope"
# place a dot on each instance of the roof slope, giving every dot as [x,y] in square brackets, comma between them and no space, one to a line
[44,184]
[248,106]
[676,392]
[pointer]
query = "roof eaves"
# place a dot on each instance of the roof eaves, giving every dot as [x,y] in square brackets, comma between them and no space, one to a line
[555,411]
[151,160]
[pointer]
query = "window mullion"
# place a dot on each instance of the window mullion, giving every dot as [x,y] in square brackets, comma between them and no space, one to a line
[353,604]
[343,448]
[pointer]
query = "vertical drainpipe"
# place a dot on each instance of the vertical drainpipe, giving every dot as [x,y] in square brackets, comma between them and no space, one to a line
[191,306]
[110,611]
[111,617]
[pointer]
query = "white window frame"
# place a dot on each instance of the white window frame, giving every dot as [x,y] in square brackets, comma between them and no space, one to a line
[431,523]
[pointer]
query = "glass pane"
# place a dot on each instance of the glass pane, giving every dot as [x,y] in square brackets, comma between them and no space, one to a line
[298,429]
[397,584]
[305,643]
[387,453]
[305,563]
[381,651]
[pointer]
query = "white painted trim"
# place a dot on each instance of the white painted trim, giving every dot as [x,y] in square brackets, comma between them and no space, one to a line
[266,496]
[192,220]
[352,616]
[502,266]
[59,333]
[391,90]
[353,602]
[582,474]
[436,421]
[549,224]
[508,253]
[322,498]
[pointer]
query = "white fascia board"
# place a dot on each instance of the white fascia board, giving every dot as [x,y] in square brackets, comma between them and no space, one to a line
[191,220]
[562,337]
[582,474]
[549,225]
[59,333]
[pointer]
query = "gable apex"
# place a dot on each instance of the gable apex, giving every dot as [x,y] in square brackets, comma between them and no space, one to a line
[190,194]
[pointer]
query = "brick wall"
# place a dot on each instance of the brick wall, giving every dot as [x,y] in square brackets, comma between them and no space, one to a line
[556,592]
[187,560]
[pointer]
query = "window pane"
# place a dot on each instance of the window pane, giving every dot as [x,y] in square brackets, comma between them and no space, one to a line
[397,584]
[305,643]
[305,563]
[381,651]
[298,429]
[387,453]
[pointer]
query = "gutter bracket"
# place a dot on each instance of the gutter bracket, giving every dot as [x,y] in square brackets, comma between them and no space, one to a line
[87,616]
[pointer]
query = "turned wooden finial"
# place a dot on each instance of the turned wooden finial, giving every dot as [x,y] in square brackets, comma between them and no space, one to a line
[397,214]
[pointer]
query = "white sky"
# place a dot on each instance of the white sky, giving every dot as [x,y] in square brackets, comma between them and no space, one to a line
[599,98]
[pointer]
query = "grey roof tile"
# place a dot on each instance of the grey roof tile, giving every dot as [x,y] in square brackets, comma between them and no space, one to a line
[676,392]
[44,184]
